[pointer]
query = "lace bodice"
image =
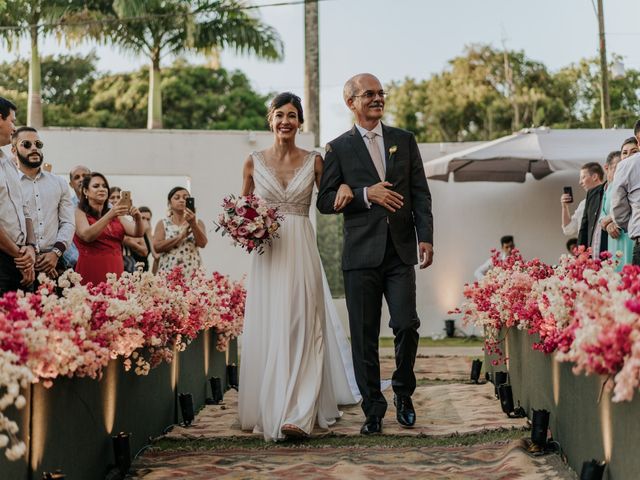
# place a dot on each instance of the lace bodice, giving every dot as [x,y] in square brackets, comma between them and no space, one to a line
[295,198]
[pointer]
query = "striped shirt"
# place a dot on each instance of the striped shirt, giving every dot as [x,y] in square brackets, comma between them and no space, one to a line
[50,208]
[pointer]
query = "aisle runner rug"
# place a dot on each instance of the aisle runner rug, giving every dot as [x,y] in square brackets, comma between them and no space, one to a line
[440,409]
[498,461]
[433,368]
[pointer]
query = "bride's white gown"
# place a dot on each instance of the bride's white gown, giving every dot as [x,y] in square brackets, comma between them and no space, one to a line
[295,364]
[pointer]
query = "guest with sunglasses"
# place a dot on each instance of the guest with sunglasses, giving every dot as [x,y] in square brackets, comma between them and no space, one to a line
[100,230]
[49,202]
[17,248]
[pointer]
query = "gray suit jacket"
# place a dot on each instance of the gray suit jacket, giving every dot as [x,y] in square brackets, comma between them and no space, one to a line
[347,160]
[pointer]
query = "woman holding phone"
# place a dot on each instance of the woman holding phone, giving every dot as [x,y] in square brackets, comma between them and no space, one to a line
[178,237]
[100,230]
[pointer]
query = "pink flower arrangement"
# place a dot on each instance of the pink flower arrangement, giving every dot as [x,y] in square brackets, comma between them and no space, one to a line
[503,299]
[581,309]
[140,317]
[556,296]
[249,221]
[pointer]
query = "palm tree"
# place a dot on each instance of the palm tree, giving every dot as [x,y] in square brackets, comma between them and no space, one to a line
[158,28]
[32,18]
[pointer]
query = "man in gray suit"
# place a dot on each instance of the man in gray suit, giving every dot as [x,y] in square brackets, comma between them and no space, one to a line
[388,221]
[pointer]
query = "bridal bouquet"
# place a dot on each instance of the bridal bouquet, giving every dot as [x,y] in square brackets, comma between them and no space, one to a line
[249,222]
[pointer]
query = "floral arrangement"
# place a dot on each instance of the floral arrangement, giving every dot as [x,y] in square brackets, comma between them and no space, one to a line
[581,308]
[249,221]
[67,329]
[503,298]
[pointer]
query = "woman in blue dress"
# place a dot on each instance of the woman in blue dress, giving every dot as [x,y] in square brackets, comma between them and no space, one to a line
[619,243]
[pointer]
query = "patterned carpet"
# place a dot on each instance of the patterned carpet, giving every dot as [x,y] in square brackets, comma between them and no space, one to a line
[443,408]
[433,368]
[440,409]
[495,461]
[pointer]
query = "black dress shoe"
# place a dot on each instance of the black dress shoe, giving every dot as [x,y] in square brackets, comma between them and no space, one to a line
[372,425]
[405,413]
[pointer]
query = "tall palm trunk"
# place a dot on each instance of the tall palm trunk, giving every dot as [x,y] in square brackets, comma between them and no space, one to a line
[34,102]
[312,70]
[154,113]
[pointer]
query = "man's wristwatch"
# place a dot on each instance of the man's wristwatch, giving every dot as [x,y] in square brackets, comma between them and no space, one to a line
[57,251]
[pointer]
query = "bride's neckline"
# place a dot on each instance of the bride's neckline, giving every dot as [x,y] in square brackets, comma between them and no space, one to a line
[274,173]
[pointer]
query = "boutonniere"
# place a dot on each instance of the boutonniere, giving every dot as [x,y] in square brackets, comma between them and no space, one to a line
[393,149]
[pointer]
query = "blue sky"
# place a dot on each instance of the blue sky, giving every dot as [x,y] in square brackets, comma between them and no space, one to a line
[415,38]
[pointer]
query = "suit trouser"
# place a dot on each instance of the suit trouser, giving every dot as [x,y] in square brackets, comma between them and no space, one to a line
[364,289]
[10,276]
[635,260]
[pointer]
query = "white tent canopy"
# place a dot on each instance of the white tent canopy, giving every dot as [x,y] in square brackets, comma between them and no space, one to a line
[539,151]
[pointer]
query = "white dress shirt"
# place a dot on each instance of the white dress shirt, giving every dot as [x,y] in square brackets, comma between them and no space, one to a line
[482,270]
[380,142]
[50,207]
[625,196]
[596,239]
[13,210]
[571,229]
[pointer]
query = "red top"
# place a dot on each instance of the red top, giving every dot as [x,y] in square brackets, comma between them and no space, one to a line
[103,255]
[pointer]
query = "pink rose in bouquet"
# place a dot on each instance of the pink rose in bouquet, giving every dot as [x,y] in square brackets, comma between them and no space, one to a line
[249,221]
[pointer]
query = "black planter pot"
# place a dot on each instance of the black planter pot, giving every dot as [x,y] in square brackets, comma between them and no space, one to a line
[450,327]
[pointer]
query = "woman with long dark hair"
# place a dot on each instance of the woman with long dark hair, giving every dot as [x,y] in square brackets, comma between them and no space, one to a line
[100,230]
[178,238]
[296,364]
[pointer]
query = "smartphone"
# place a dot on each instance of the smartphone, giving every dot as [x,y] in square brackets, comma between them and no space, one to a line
[191,204]
[125,198]
[47,167]
[568,191]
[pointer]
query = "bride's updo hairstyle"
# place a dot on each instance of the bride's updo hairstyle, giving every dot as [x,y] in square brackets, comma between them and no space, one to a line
[282,99]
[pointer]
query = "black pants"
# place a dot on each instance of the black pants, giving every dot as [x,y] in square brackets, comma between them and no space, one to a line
[635,260]
[10,276]
[364,289]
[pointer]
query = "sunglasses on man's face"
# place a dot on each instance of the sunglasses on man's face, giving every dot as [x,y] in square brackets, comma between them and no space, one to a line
[28,144]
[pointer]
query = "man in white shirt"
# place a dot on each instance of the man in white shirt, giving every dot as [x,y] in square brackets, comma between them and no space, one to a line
[507,245]
[49,201]
[17,258]
[625,197]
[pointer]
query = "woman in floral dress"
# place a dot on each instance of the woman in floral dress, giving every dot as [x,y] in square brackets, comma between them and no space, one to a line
[178,237]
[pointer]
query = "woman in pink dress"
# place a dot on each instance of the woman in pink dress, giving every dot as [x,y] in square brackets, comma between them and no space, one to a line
[100,230]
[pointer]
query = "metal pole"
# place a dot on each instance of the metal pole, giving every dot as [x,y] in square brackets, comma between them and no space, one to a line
[311,71]
[605,105]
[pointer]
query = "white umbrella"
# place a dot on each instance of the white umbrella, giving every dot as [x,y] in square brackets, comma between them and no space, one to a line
[539,151]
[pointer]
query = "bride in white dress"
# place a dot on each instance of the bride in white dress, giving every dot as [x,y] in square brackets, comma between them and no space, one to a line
[296,365]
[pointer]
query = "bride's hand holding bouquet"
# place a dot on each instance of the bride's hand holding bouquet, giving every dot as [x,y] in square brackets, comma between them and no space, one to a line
[249,221]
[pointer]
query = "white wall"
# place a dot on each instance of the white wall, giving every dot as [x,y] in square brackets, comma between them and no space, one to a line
[151,162]
[469,217]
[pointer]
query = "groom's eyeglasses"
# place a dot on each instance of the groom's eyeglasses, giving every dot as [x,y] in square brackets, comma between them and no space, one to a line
[27,144]
[369,94]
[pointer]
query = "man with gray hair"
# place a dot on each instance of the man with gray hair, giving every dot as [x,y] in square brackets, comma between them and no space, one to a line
[76,175]
[390,210]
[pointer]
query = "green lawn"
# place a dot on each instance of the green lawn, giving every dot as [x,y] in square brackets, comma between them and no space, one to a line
[445,342]
[342,441]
